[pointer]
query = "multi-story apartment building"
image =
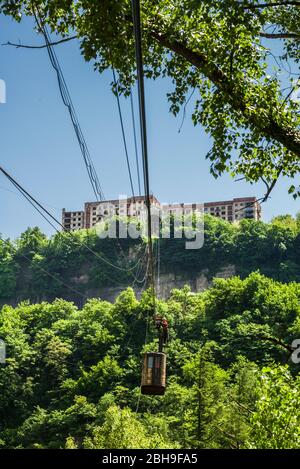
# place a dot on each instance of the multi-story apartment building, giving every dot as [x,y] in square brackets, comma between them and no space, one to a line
[235,210]
[96,211]
[181,209]
[73,221]
[230,210]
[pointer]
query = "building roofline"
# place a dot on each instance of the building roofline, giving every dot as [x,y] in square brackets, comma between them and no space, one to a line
[164,205]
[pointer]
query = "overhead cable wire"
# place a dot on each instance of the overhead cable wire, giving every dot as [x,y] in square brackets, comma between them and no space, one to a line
[137,318]
[123,131]
[158,266]
[127,41]
[44,270]
[30,198]
[68,103]
[70,233]
[35,207]
[143,129]
[18,194]
[139,271]
[135,143]
[67,100]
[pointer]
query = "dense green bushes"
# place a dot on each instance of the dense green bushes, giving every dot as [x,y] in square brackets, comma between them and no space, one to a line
[72,375]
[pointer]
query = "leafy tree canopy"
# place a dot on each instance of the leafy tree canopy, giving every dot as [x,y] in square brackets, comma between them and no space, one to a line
[72,376]
[224,50]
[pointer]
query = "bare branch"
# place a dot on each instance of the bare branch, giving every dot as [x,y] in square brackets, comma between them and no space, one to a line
[276,342]
[242,406]
[234,442]
[24,46]
[184,109]
[240,179]
[271,186]
[280,35]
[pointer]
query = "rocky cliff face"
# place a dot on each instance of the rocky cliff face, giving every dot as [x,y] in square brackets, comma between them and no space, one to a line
[168,282]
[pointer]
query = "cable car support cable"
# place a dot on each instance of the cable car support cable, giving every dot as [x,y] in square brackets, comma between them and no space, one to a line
[35,203]
[154,363]
[67,100]
[123,131]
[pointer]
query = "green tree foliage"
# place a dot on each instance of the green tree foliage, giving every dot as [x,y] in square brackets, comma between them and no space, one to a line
[122,429]
[72,376]
[275,422]
[8,270]
[272,248]
[223,49]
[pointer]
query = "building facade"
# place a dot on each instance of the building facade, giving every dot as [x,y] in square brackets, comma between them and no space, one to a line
[235,210]
[73,221]
[96,211]
[229,210]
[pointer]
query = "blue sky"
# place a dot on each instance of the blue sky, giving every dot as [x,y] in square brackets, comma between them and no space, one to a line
[39,147]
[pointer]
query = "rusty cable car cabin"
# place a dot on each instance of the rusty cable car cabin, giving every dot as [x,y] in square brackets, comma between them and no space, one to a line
[154,373]
[155,363]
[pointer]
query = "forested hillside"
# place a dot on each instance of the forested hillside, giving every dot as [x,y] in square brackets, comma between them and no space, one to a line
[77,259]
[72,375]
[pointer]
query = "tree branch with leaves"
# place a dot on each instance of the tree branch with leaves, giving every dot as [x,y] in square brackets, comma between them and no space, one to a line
[254,126]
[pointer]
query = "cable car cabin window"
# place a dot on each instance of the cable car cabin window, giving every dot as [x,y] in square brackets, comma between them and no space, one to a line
[150,362]
[154,373]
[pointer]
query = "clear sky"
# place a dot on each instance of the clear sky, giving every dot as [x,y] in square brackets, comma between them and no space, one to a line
[39,147]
